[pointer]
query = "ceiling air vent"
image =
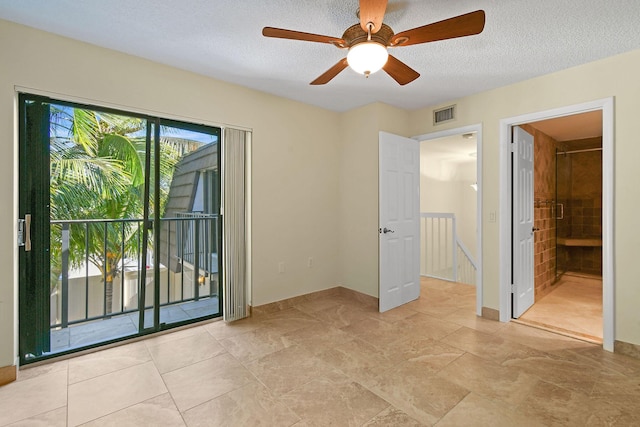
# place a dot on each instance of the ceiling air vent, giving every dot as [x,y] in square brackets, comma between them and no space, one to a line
[444,114]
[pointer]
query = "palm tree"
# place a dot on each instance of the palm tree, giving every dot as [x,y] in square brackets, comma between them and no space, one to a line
[97,172]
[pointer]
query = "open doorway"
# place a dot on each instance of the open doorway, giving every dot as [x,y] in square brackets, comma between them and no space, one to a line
[512,280]
[568,225]
[450,207]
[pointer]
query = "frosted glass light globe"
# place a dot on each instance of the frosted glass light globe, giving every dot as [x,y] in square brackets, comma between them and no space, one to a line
[367,57]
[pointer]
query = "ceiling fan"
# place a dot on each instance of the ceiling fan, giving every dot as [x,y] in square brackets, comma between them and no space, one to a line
[369,40]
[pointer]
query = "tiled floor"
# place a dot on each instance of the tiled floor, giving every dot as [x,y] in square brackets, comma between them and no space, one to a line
[573,307]
[335,361]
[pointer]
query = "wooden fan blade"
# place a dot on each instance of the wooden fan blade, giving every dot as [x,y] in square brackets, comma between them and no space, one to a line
[400,71]
[459,26]
[299,35]
[372,11]
[331,73]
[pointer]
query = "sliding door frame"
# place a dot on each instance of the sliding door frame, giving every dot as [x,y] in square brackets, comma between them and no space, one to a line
[26,314]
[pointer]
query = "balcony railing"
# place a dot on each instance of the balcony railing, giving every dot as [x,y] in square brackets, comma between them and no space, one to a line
[97,265]
[198,237]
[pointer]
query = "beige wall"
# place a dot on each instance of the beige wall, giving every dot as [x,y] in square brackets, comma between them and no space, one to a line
[359,191]
[615,76]
[295,147]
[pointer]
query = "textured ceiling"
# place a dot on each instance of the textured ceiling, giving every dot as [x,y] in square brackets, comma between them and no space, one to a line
[222,39]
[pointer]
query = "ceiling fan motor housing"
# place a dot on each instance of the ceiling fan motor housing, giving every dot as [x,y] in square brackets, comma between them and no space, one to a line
[355,35]
[367,51]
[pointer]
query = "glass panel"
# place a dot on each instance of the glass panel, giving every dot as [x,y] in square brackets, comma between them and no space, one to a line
[189,203]
[96,194]
[563,208]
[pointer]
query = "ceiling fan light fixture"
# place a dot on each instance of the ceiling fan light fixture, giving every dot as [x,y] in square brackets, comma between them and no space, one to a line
[367,57]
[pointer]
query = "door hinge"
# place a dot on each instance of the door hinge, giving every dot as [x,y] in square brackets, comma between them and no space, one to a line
[24,232]
[513,288]
[513,146]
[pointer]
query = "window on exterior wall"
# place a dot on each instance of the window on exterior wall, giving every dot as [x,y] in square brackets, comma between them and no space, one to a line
[206,198]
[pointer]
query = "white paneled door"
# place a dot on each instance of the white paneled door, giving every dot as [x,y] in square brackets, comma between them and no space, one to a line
[399,209]
[523,226]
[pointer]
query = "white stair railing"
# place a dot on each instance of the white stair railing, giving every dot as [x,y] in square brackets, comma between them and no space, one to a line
[444,255]
[467,267]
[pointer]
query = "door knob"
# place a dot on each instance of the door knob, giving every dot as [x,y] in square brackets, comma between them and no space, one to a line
[535,229]
[387,230]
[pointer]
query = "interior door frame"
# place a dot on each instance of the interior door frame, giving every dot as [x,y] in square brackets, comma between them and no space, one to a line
[477,128]
[606,105]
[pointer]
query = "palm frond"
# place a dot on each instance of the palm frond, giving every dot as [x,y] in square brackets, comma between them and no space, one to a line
[85,130]
[126,151]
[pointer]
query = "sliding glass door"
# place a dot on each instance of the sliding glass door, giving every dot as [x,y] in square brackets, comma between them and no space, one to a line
[120,225]
[182,275]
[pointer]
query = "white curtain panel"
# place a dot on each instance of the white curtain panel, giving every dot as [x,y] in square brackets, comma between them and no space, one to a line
[235,225]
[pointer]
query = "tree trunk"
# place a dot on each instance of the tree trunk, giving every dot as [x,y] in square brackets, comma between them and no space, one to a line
[108,284]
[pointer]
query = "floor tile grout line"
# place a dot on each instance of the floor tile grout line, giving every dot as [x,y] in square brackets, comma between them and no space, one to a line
[376,415]
[170,394]
[454,406]
[193,363]
[148,342]
[39,376]
[133,404]
[213,398]
[278,397]
[212,356]
[350,380]
[111,372]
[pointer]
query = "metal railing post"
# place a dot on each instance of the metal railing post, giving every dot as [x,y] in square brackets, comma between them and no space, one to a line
[122,257]
[196,259]
[64,316]
[104,275]
[86,271]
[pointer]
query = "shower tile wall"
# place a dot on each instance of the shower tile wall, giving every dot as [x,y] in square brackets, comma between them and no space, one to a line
[583,221]
[544,249]
[544,211]
[583,208]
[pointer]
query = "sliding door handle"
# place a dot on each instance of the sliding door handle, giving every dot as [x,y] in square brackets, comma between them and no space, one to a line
[27,232]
